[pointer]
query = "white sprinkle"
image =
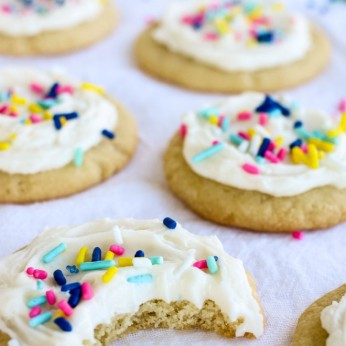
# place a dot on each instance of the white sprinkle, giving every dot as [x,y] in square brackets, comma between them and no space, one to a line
[261,130]
[255,144]
[244,146]
[141,262]
[187,263]
[117,235]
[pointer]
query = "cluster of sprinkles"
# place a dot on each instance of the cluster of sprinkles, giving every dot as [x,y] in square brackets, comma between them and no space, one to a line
[24,7]
[14,106]
[217,20]
[58,304]
[309,147]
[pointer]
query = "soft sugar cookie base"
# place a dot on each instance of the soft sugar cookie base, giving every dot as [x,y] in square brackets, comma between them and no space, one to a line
[160,62]
[318,208]
[309,331]
[100,163]
[62,41]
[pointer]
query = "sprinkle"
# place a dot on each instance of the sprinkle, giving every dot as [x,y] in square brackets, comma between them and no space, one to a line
[244,146]
[208,152]
[5,146]
[261,130]
[203,263]
[263,119]
[78,158]
[271,157]
[140,279]
[117,250]
[269,105]
[40,274]
[39,285]
[117,235]
[108,134]
[212,265]
[125,262]
[75,297]
[139,253]
[81,255]
[313,161]
[244,116]
[322,145]
[30,270]
[63,324]
[109,255]
[298,235]
[52,93]
[36,88]
[282,154]
[264,147]
[35,311]
[70,287]
[251,169]
[36,301]
[87,292]
[50,296]
[60,119]
[342,105]
[156,260]
[40,319]
[93,87]
[183,130]
[140,262]
[296,143]
[35,118]
[51,255]
[254,145]
[169,223]
[225,124]
[96,255]
[65,89]
[85,266]
[109,274]
[72,269]
[235,139]
[65,307]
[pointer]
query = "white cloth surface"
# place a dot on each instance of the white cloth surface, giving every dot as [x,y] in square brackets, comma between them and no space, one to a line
[290,274]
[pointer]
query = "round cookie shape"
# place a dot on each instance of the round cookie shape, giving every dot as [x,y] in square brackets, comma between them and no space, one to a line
[127,275]
[53,27]
[309,330]
[58,136]
[232,170]
[226,47]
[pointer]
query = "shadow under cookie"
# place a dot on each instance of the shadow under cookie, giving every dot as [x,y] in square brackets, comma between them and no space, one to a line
[158,61]
[62,41]
[100,163]
[309,331]
[318,208]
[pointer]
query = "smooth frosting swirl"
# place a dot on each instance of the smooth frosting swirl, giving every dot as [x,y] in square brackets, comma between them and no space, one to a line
[175,279]
[233,36]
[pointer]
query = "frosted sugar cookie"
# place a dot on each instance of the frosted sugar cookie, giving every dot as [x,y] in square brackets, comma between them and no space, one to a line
[58,136]
[232,46]
[254,162]
[93,283]
[323,322]
[53,26]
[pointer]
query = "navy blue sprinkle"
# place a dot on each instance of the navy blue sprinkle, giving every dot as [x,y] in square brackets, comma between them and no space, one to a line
[52,93]
[96,256]
[108,134]
[70,287]
[59,277]
[269,105]
[296,143]
[139,253]
[75,297]
[264,147]
[63,324]
[169,223]
[298,124]
[265,37]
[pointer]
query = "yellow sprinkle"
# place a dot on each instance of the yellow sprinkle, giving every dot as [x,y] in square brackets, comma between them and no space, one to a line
[109,255]
[5,146]
[13,109]
[35,108]
[93,87]
[81,255]
[322,145]
[278,6]
[47,116]
[221,26]
[63,121]
[312,161]
[17,100]
[214,120]
[13,137]
[298,155]
[109,274]
[321,155]
[251,132]
[59,314]
[125,261]
[279,141]
[335,132]
[343,122]
[28,122]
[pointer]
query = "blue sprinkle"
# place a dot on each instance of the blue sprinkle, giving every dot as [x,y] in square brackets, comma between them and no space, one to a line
[63,324]
[75,297]
[108,134]
[214,149]
[265,37]
[298,124]
[52,93]
[269,105]
[72,269]
[296,143]
[169,223]
[139,253]
[264,146]
[140,279]
[70,287]
[97,254]
[216,258]
[67,116]
[59,277]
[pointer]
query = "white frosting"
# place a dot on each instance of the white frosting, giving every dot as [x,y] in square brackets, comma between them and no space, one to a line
[228,53]
[282,179]
[172,281]
[27,21]
[40,147]
[333,319]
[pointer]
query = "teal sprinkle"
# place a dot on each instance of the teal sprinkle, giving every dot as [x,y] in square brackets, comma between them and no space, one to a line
[303,133]
[156,260]
[235,139]
[46,104]
[78,157]
[36,301]
[140,279]
[40,319]
[4,96]
[208,152]
[212,265]
[334,140]
[206,113]
[96,265]
[40,285]
[225,124]
[275,113]
[50,256]
[260,160]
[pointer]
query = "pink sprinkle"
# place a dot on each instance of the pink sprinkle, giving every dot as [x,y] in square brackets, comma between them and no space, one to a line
[211,36]
[244,116]
[118,250]
[304,147]
[271,157]
[221,119]
[282,154]
[51,298]
[263,119]
[40,274]
[187,20]
[201,264]
[87,292]
[64,89]
[65,307]
[342,105]
[35,311]
[271,146]
[30,271]
[183,130]
[35,118]
[251,169]
[298,235]
[36,88]
[215,142]
[6,8]
[244,135]
[13,114]
[4,109]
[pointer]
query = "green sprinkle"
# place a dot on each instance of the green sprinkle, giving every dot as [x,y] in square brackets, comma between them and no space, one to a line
[78,157]
[156,260]
[212,265]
